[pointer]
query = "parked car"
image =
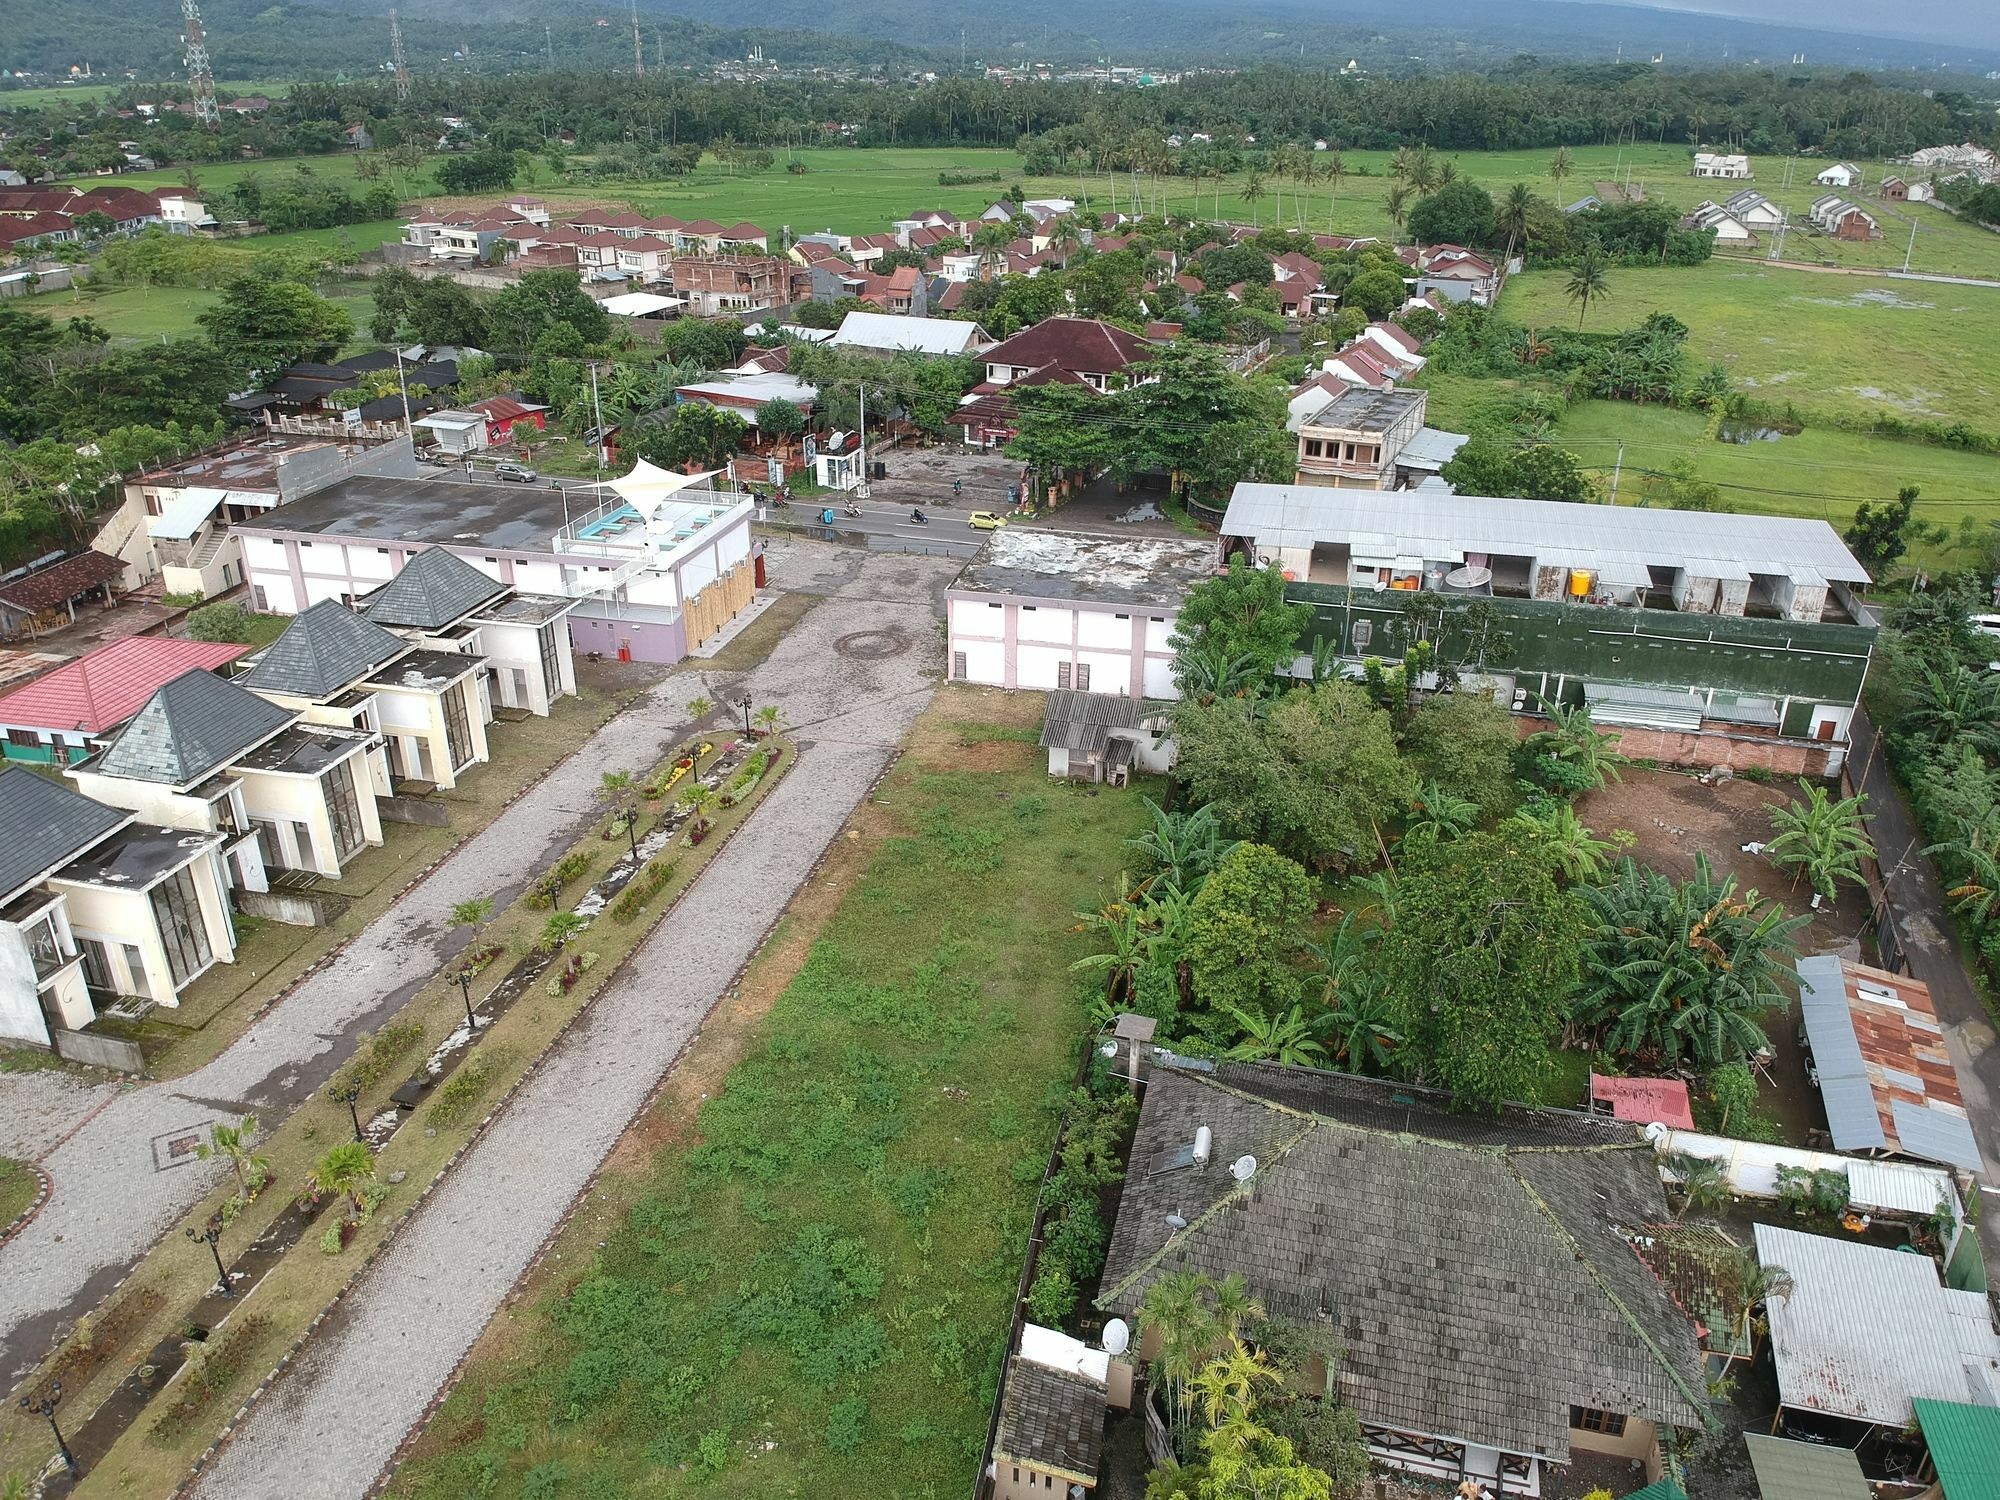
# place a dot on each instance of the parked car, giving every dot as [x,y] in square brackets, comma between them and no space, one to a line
[986,520]
[514,473]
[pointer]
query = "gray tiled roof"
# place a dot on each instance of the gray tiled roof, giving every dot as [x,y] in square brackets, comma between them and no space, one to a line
[193,726]
[1051,1419]
[1471,1266]
[43,824]
[321,652]
[434,588]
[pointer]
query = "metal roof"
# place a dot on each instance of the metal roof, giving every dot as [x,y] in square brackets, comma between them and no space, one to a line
[189,729]
[1431,448]
[1867,1329]
[866,330]
[1965,1447]
[1441,527]
[43,825]
[1083,722]
[1885,1077]
[1360,410]
[100,691]
[1788,1470]
[322,651]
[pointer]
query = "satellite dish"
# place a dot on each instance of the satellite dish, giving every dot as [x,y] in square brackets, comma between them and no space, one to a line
[1657,1133]
[1117,1336]
[1242,1168]
[1176,1221]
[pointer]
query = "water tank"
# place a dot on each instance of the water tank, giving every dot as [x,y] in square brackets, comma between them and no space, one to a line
[1579,582]
[1469,580]
[1202,1144]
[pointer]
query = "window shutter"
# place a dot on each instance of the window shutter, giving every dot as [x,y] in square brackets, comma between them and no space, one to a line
[958,666]
[1062,674]
[1083,677]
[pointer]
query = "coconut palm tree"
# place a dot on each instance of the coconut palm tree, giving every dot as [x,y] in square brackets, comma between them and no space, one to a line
[1512,216]
[232,1143]
[1424,171]
[1821,839]
[1397,204]
[1560,166]
[347,1170]
[699,708]
[1749,1284]
[1401,162]
[1587,282]
[1253,190]
[1574,849]
[1335,169]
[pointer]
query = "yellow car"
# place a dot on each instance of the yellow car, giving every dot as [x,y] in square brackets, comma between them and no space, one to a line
[986,520]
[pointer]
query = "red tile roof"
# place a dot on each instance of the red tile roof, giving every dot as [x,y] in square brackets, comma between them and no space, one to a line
[743,229]
[54,586]
[1084,345]
[703,226]
[98,692]
[33,227]
[1644,1100]
[950,297]
[1398,335]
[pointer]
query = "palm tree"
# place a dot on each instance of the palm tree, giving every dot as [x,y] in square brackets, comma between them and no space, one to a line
[1749,1283]
[1513,214]
[560,927]
[1447,172]
[1225,1390]
[1234,1306]
[1587,281]
[1423,173]
[1439,815]
[1683,971]
[1253,189]
[769,717]
[699,708]
[1336,168]
[1822,839]
[1286,1038]
[1704,1184]
[348,1170]
[232,1142]
[1401,162]
[618,785]
[1571,738]
[697,800]
[1209,672]
[1577,852]
[1176,1311]
[1560,167]
[1397,204]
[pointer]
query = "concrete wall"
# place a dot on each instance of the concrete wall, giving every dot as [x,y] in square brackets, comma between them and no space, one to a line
[1640,1443]
[644,640]
[290,801]
[20,1009]
[100,1051]
[289,907]
[124,536]
[1019,643]
[1701,749]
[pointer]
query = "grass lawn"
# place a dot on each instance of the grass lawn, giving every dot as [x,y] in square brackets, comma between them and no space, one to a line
[60,93]
[18,1186]
[814,1295]
[1825,344]
[1818,472]
[128,312]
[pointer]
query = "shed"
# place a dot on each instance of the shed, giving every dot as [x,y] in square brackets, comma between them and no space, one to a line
[1643,1101]
[1788,1470]
[33,598]
[1092,736]
[1965,1447]
[1051,1424]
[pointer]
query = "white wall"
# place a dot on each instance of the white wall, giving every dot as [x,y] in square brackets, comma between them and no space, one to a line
[156,804]
[20,1010]
[117,917]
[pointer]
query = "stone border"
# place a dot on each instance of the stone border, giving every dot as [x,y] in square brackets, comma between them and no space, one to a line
[515,1292]
[27,1215]
[208,1455]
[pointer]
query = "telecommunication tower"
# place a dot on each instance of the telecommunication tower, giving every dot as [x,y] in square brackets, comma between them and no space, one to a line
[638,47]
[201,76]
[398,60]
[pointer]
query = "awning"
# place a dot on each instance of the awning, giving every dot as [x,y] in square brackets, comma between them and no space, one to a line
[649,486]
[186,513]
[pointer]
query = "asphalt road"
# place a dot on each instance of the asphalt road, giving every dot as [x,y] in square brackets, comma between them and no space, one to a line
[883,526]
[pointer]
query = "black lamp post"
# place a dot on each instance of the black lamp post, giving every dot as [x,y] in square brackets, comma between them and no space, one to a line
[207,1235]
[630,818]
[347,1096]
[744,704]
[46,1407]
[464,978]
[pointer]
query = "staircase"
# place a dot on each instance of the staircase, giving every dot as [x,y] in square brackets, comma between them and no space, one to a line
[213,543]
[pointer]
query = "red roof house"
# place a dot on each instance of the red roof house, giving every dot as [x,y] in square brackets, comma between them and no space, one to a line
[86,699]
[503,414]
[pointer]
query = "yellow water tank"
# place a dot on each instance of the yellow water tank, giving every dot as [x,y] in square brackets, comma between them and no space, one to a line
[1579,582]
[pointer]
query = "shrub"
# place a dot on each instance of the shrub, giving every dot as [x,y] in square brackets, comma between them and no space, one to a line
[220,622]
[210,1372]
[1052,1298]
[330,1242]
[182,601]
[564,873]
[373,1059]
[463,1089]
[642,888]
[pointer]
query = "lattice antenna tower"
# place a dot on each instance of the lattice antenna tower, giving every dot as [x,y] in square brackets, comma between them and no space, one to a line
[201,75]
[638,47]
[398,60]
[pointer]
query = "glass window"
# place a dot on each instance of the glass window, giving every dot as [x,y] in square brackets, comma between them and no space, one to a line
[268,845]
[457,732]
[345,809]
[545,638]
[177,914]
[1586,1419]
[97,968]
[43,947]
[24,737]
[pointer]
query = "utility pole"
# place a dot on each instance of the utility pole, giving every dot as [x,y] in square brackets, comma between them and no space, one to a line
[398,60]
[549,47]
[1907,254]
[597,412]
[1617,469]
[201,73]
[638,47]
[404,386]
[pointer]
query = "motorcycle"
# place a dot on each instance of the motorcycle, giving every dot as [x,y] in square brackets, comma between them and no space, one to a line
[853,510]
[920,518]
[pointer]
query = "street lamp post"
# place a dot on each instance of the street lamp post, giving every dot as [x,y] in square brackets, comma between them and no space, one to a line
[208,1235]
[347,1096]
[464,978]
[46,1407]
[744,704]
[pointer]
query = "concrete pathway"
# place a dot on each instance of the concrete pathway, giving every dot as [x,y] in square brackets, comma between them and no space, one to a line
[851,679]
[118,1182]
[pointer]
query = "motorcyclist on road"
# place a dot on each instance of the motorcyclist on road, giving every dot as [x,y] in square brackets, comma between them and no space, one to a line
[919,517]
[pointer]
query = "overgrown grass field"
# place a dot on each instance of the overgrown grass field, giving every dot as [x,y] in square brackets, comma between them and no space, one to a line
[1842,346]
[812,1300]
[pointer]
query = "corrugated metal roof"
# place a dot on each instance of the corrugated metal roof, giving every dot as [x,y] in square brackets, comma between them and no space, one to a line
[44,824]
[1903,1187]
[1935,1135]
[1446,527]
[1868,1329]
[1965,1447]
[102,690]
[865,330]
[1804,1471]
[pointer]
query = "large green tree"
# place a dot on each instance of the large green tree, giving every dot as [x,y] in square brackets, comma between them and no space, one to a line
[1247,932]
[1242,613]
[694,433]
[519,318]
[1459,213]
[1465,743]
[270,321]
[1482,954]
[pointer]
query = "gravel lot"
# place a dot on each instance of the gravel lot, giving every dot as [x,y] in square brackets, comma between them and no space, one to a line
[112,1199]
[850,679]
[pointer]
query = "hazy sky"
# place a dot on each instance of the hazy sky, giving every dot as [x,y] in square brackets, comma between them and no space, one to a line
[1973,22]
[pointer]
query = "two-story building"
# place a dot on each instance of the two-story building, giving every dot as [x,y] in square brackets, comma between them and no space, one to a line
[1711,639]
[95,906]
[1355,440]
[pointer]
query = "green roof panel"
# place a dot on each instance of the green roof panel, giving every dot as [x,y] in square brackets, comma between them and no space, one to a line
[1965,1447]
[1804,1471]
